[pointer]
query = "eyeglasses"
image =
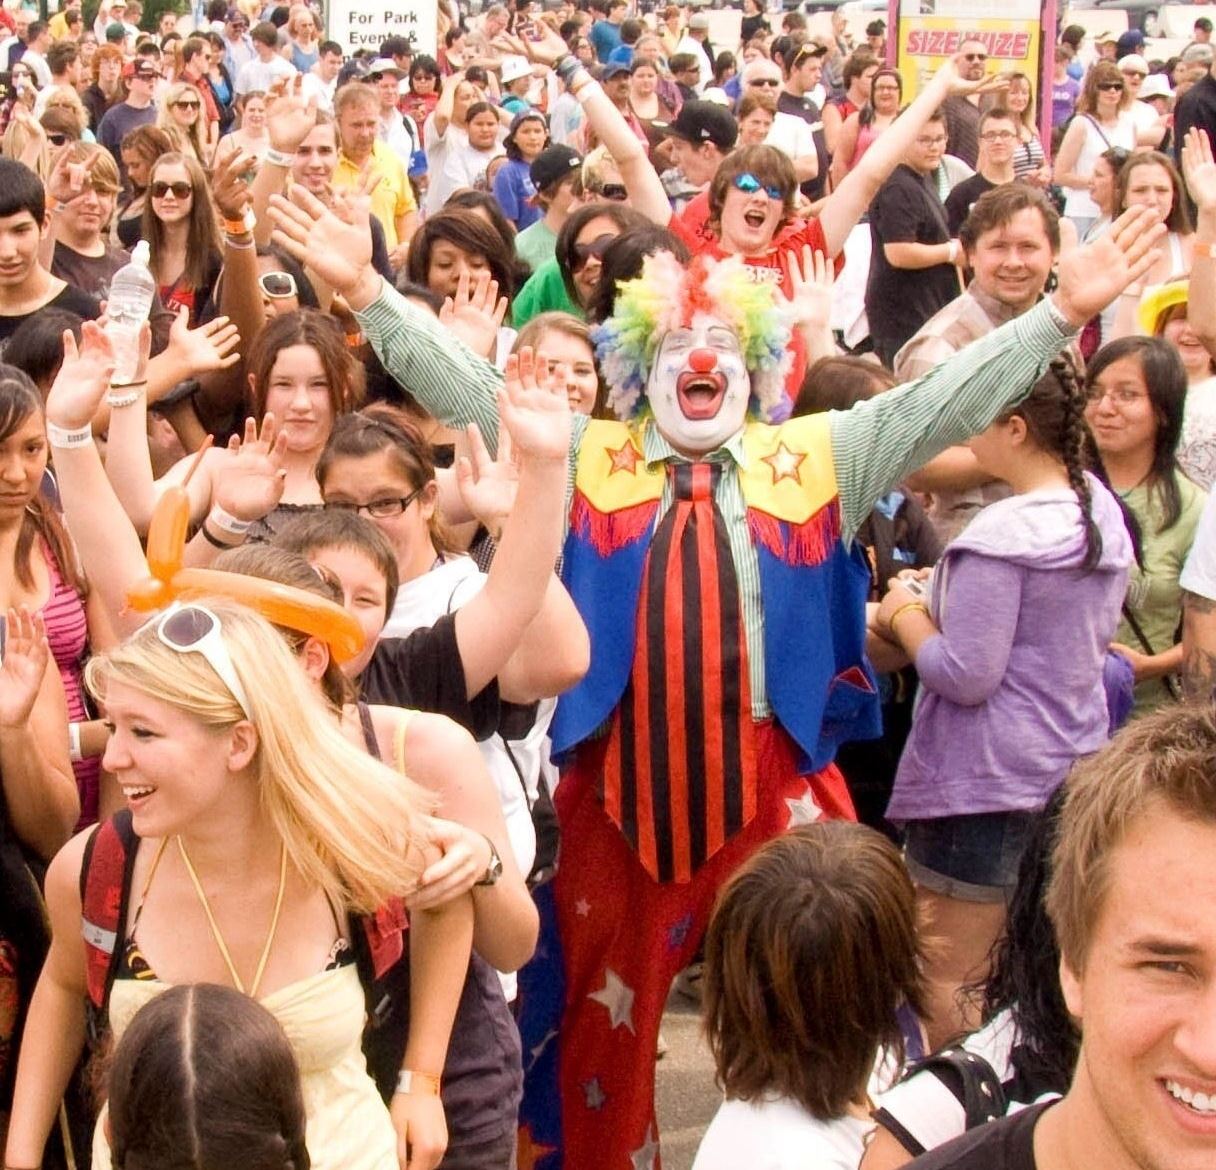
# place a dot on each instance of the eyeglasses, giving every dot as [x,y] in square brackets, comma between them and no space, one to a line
[1111,86]
[765,81]
[749,185]
[1119,396]
[583,253]
[975,56]
[615,192]
[278,285]
[188,105]
[194,629]
[379,509]
[997,136]
[160,189]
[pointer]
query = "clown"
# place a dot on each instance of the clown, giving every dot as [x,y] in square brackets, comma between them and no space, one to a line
[709,550]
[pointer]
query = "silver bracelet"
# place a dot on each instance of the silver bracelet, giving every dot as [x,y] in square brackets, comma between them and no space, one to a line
[64,439]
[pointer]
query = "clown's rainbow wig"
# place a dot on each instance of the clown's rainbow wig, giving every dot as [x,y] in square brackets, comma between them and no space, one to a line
[668,296]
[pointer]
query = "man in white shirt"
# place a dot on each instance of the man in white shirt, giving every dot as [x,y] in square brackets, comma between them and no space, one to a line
[321,80]
[397,132]
[113,13]
[790,134]
[261,73]
[39,40]
[696,41]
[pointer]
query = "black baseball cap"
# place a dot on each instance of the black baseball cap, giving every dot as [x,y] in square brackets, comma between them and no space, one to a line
[553,164]
[701,121]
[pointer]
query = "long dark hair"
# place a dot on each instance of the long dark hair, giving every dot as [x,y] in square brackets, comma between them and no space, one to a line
[20,401]
[1054,413]
[865,116]
[1165,379]
[1025,977]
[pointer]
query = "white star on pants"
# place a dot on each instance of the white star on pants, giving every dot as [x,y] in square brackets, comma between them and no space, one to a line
[803,811]
[617,998]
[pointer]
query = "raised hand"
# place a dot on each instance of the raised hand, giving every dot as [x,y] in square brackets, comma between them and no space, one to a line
[534,408]
[337,250]
[289,117]
[230,183]
[250,484]
[83,379]
[488,486]
[811,281]
[1199,170]
[957,85]
[475,313]
[209,347]
[26,654]
[1092,276]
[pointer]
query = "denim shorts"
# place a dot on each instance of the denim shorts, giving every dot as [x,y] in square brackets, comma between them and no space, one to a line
[972,858]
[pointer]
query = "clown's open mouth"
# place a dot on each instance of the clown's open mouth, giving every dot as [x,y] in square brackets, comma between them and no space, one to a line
[700,395]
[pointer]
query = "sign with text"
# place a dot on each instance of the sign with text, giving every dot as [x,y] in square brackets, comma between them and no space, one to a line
[363,24]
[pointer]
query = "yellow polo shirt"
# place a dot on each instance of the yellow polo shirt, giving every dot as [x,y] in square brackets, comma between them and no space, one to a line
[393,195]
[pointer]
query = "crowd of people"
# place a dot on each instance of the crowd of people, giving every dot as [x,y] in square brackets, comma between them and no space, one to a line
[591,509]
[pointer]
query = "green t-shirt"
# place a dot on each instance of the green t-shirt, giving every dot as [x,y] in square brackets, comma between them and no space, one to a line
[536,245]
[544,292]
[1153,593]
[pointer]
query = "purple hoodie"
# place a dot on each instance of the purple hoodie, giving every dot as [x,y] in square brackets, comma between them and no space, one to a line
[1011,689]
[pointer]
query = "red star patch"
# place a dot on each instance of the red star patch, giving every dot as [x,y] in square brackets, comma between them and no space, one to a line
[624,458]
[785,464]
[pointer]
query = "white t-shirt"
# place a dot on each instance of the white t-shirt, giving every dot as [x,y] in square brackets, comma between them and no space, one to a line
[1197,449]
[791,135]
[779,1134]
[313,87]
[1199,572]
[258,76]
[1144,117]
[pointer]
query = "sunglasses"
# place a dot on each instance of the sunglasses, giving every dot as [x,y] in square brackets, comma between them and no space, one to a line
[56,139]
[765,81]
[160,189]
[188,105]
[1112,87]
[749,185]
[615,192]
[278,285]
[975,56]
[583,253]
[380,509]
[194,629]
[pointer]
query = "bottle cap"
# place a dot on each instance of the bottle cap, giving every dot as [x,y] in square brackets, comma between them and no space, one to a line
[141,254]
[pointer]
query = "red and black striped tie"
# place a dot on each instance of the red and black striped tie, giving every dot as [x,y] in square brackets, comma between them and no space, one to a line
[680,770]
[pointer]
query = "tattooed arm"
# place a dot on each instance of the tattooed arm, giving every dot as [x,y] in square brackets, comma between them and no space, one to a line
[1198,645]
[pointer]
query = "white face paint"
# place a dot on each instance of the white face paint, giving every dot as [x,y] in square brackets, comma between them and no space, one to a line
[699,386]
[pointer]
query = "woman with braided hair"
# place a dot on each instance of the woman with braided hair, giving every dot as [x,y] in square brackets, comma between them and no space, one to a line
[1009,640]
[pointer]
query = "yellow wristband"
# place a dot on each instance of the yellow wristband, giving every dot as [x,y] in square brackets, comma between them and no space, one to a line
[421,1083]
[903,609]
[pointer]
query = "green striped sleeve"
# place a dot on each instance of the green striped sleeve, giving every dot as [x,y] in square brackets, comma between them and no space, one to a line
[879,442]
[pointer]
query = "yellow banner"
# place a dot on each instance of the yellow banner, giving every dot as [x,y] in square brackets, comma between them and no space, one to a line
[925,42]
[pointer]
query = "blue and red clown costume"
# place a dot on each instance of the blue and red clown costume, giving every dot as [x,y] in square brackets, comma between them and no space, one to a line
[671,776]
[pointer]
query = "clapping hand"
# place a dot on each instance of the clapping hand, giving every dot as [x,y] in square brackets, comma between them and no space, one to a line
[488,486]
[251,482]
[475,313]
[26,655]
[83,379]
[534,408]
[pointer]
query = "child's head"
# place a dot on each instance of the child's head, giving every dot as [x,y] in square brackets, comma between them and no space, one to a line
[209,1070]
[811,952]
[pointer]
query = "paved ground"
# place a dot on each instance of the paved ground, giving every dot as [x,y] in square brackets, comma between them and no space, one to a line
[687,1097]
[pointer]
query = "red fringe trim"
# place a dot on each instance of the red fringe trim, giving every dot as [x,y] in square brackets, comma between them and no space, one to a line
[610,531]
[809,543]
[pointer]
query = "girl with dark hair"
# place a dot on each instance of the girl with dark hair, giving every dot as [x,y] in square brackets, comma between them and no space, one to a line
[860,128]
[1028,1042]
[1009,641]
[423,94]
[1149,179]
[140,149]
[622,260]
[206,1069]
[818,928]
[1136,387]
[180,225]
[513,187]
[42,570]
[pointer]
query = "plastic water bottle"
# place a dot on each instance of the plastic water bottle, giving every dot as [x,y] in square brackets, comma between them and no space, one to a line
[132,294]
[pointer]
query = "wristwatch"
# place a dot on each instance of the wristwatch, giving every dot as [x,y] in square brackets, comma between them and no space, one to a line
[493,870]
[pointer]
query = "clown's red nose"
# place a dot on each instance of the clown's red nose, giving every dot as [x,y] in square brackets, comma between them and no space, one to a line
[702,361]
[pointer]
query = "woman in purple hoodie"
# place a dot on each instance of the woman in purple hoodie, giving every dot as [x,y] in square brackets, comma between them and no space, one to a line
[1010,649]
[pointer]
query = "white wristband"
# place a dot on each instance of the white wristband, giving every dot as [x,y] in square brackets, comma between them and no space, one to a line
[63,439]
[280,158]
[585,94]
[226,522]
[953,253]
[74,752]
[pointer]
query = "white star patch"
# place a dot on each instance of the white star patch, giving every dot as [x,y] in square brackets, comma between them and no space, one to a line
[582,907]
[617,998]
[803,811]
[644,1158]
[594,1094]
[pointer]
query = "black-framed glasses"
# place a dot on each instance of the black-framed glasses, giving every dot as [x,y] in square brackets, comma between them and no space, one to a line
[765,81]
[278,285]
[56,138]
[1112,87]
[382,509]
[997,135]
[749,185]
[160,189]
[615,192]
[188,105]
[194,629]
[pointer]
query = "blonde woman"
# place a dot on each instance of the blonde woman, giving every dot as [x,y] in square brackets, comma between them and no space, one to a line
[304,33]
[181,117]
[26,142]
[67,101]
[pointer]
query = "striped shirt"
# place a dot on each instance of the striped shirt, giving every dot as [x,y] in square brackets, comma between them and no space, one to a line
[874,445]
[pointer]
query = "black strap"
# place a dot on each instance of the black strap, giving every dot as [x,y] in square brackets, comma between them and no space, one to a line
[369,730]
[1167,681]
[1101,134]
